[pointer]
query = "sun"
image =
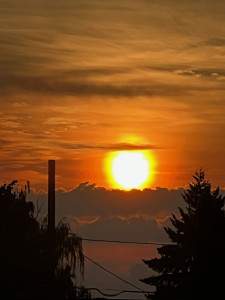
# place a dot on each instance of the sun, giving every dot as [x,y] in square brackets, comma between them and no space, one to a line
[130,169]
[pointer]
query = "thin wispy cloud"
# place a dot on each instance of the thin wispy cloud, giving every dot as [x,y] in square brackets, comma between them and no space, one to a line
[110,147]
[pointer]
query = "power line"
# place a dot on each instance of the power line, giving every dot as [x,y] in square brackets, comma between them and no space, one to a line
[118,292]
[124,242]
[118,277]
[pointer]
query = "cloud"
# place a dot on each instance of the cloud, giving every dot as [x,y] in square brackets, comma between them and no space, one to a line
[143,80]
[221,77]
[121,53]
[83,220]
[55,85]
[218,42]
[10,121]
[109,147]
[20,104]
[88,206]
[188,72]
[58,121]
[204,73]
[99,213]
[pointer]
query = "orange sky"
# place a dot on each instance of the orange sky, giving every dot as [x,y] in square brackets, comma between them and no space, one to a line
[82,78]
[77,78]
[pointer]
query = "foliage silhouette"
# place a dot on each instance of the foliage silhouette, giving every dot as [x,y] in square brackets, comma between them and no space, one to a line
[24,252]
[193,266]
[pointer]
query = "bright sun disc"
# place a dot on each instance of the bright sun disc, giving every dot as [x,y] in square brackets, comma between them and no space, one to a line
[130,169]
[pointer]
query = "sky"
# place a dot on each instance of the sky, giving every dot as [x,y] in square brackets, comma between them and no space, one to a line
[81,79]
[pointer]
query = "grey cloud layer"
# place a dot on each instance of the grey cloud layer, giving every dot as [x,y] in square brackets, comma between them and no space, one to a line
[114,214]
[97,212]
[57,85]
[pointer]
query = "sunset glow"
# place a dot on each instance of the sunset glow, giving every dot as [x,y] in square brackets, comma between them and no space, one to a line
[127,97]
[129,169]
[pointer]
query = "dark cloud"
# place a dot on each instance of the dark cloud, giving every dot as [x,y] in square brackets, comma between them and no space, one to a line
[89,72]
[57,86]
[109,147]
[5,142]
[116,214]
[218,42]
[89,200]
[210,73]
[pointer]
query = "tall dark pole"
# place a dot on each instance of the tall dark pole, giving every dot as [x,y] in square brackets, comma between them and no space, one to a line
[51,196]
[51,228]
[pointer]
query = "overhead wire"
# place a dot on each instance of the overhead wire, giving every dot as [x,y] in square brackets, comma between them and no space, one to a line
[139,290]
[118,277]
[118,292]
[124,242]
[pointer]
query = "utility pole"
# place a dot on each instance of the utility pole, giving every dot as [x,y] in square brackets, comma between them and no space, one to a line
[51,197]
[51,228]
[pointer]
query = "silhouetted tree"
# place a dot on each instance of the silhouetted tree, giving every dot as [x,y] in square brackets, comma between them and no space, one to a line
[68,256]
[24,256]
[193,267]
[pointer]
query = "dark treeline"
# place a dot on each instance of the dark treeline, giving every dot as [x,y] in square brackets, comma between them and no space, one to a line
[193,265]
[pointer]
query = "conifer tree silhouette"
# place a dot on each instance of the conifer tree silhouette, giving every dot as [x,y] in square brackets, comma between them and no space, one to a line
[193,265]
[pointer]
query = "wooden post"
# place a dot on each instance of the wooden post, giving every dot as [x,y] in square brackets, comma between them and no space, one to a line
[51,196]
[51,228]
